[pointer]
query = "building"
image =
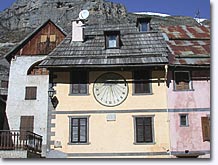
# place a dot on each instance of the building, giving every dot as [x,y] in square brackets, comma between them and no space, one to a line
[4,74]
[110,83]
[27,103]
[189,90]
[110,91]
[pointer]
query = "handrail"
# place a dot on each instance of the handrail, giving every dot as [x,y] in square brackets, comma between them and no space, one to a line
[20,140]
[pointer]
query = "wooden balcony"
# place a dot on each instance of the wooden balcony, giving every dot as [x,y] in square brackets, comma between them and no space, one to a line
[20,140]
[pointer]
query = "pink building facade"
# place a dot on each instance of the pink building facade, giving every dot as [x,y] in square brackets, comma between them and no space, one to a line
[187,137]
[189,90]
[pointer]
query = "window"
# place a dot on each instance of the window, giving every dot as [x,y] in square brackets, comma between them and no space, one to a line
[184,120]
[205,123]
[78,130]
[26,124]
[34,70]
[79,83]
[142,84]
[31,93]
[4,84]
[144,25]
[182,80]
[112,39]
[45,38]
[144,130]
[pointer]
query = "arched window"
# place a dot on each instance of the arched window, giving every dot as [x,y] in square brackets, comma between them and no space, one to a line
[35,70]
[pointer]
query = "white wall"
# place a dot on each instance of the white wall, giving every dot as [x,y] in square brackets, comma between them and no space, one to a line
[17,106]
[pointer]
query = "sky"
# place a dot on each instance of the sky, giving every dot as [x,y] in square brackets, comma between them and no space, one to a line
[171,7]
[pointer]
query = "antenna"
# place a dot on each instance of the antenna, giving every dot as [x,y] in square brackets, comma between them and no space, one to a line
[197,16]
[84,14]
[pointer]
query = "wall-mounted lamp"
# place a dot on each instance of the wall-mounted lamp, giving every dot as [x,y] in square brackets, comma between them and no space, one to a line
[51,92]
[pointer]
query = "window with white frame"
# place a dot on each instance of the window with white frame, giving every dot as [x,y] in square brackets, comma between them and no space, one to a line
[184,120]
[143,24]
[112,39]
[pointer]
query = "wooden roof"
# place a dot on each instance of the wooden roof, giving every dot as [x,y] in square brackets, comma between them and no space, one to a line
[137,48]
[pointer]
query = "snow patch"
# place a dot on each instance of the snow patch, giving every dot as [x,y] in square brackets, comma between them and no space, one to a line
[200,20]
[152,13]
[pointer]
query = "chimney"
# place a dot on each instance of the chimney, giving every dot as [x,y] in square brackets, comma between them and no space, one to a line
[77,30]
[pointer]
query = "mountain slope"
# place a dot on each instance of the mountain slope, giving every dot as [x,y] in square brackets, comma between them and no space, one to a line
[24,16]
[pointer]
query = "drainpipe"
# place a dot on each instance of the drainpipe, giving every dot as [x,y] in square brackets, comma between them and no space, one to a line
[168,118]
[166,72]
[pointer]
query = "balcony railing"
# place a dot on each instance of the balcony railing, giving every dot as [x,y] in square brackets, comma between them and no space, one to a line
[20,140]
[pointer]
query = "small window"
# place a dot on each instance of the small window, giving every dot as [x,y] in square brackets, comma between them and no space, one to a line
[79,84]
[31,93]
[143,25]
[4,84]
[205,124]
[182,81]
[144,130]
[142,83]
[184,120]
[44,38]
[112,39]
[78,130]
[52,38]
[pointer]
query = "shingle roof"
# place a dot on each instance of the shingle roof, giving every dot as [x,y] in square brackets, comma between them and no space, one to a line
[188,45]
[137,48]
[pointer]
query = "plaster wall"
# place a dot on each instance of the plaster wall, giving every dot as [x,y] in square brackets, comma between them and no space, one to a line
[156,100]
[199,97]
[110,136]
[17,106]
[189,138]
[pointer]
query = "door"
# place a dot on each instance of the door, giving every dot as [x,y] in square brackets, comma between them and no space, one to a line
[26,124]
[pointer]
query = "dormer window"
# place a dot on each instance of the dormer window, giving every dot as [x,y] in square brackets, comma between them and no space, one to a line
[112,39]
[144,25]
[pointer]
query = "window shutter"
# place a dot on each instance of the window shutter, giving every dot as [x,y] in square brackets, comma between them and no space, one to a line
[142,83]
[118,41]
[79,130]
[107,41]
[205,123]
[144,132]
[31,93]
[148,129]
[26,124]
[139,130]
[79,82]
[4,84]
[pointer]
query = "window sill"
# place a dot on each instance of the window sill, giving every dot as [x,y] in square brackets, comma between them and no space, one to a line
[144,143]
[113,48]
[184,126]
[187,90]
[78,143]
[141,94]
[79,94]
[30,99]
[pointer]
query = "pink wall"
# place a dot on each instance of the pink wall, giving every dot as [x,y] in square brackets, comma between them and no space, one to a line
[189,138]
[199,98]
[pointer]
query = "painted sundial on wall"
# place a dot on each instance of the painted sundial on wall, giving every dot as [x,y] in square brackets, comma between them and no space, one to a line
[110,89]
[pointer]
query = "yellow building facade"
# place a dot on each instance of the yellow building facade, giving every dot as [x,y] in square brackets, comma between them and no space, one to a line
[111,131]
